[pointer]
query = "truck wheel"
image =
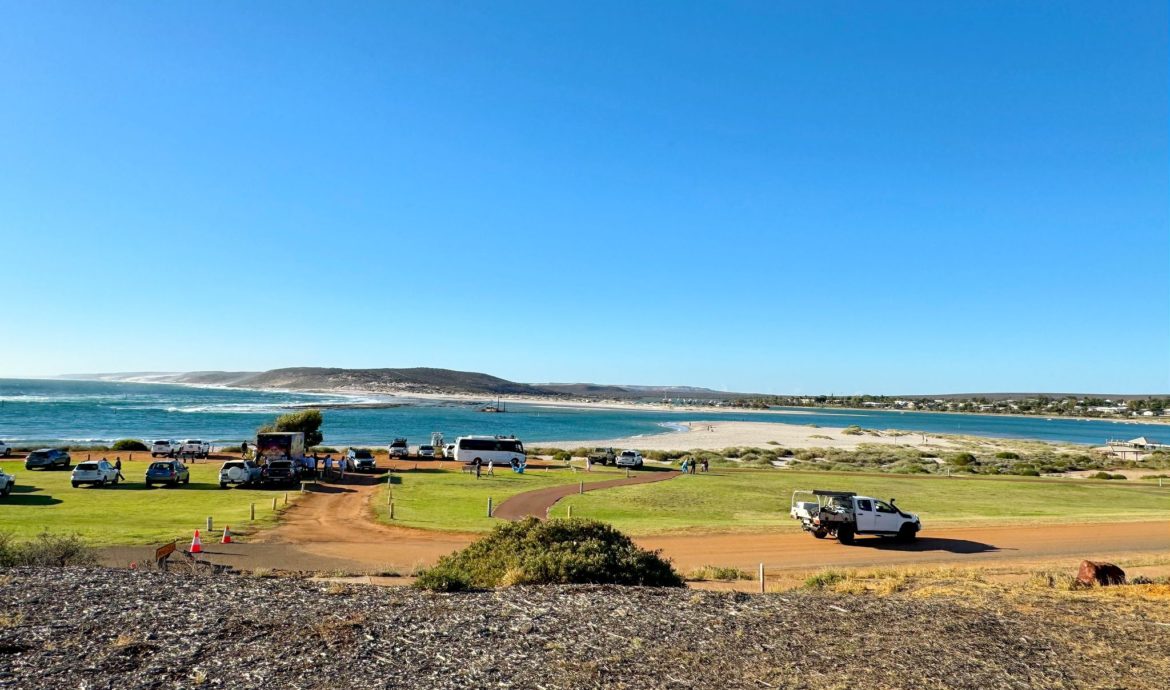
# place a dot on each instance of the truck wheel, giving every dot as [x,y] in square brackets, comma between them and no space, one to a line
[187,479]
[845,536]
[820,533]
[7,490]
[75,484]
[223,485]
[907,533]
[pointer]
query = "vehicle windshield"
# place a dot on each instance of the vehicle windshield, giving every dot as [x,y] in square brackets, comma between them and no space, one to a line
[398,444]
[38,455]
[162,443]
[628,453]
[362,454]
[87,466]
[160,466]
[280,464]
[426,447]
[229,465]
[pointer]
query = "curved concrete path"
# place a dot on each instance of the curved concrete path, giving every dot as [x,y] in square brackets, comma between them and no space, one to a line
[537,503]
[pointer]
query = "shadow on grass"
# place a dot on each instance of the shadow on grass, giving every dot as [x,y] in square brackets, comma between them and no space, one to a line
[928,544]
[26,496]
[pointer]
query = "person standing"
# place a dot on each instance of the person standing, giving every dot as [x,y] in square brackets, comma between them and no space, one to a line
[328,467]
[478,464]
[118,466]
[491,466]
[244,449]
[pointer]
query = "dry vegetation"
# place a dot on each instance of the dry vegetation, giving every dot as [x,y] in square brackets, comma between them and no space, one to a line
[904,629]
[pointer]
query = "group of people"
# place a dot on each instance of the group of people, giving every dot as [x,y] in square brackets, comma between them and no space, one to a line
[693,466]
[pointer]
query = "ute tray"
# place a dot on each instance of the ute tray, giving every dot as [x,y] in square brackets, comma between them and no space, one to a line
[823,492]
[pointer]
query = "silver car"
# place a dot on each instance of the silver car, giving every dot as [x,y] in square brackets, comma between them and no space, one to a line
[97,472]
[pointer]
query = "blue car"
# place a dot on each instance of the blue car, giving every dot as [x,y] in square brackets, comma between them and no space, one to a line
[48,458]
[170,472]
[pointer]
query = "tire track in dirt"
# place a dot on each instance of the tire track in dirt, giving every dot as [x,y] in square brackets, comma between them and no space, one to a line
[537,503]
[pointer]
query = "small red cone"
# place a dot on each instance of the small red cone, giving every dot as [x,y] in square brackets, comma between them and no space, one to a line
[227,535]
[196,543]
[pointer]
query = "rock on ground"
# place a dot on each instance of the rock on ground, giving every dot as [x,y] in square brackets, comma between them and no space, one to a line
[97,628]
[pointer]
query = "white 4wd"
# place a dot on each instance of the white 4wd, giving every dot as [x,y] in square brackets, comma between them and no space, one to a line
[844,514]
[97,472]
[399,448]
[628,458]
[195,448]
[5,450]
[163,449]
[6,483]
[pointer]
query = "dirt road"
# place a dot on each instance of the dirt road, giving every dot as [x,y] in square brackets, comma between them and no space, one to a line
[537,503]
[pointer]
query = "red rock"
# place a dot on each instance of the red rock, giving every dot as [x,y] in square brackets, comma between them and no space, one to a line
[1103,574]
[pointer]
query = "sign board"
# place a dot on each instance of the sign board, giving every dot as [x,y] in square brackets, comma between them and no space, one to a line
[162,552]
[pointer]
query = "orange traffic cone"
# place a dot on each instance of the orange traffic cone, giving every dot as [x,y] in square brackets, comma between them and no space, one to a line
[227,535]
[196,543]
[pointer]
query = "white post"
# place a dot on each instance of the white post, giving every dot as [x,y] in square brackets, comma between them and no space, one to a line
[274,502]
[570,512]
[209,523]
[761,578]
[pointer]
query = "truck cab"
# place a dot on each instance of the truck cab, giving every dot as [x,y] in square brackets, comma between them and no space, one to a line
[844,514]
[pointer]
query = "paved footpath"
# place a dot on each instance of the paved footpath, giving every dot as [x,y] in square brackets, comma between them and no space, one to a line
[537,503]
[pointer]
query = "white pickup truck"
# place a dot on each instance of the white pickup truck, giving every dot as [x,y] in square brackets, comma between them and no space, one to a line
[5,450]
[6,483]
[844,514]
[194,448]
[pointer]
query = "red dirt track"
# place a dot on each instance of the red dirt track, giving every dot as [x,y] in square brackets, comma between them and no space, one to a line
[537,503]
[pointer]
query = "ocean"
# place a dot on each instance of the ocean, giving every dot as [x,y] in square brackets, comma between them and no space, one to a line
[53,411]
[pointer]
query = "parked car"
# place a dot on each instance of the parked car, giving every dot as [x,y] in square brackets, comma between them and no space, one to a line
[426,451]
[399,448]
[7,481]
[361,459]
[164,449]
[629,458]
[195,448]
[170,472]
[449,450]
[97,472]
[844,515]
[5,450]
[601,456]
[282,472]
[48,458]
[239,472]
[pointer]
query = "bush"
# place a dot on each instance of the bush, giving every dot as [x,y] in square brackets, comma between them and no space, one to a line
[962,459]
[322,449]
[531,552]
[852,430]
[307,422]
[129,444]
[824,579]
[1118,476]
[230,448]
[1007,455]
[46,550]
[1100,475]
[715,572]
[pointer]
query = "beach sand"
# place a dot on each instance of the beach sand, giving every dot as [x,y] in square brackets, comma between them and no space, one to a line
[716,435]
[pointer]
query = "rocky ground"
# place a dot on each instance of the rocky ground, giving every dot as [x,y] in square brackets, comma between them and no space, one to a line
[97,628]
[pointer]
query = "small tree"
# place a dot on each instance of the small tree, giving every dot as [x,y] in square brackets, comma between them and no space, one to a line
[307,422]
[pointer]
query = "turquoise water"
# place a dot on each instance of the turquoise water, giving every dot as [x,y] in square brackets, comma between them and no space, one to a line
[54,411]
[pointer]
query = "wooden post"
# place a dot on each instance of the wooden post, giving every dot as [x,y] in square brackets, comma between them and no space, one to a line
[581,488]
[252,512]
[570,511]
[391,510]
[761,578]
[274,502]
[209,524]
[489,506]
[286,498]
[627,473]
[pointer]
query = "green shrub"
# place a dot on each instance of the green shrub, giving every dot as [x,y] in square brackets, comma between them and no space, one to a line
[323,449]
[1118,476]
[852,430]
[824,579]
[129,444]
[45,550]
[528,552]
[962,459]
[1100,475]
[562,456]
[715,572]
[1007,455]
[1028,472]
[230,448]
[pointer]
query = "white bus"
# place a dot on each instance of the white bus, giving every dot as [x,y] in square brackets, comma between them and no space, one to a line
[500,450]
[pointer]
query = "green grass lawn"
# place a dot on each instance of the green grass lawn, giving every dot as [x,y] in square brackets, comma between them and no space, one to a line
[449,500]
[747,500]
[130,513]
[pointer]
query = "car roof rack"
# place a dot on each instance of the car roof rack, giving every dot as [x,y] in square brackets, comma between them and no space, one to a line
[823,492]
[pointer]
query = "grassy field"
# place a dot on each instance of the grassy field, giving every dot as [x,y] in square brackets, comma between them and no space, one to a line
[454,502]
[129,513]
[748,500]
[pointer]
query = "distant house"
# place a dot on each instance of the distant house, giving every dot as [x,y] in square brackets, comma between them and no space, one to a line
[1133,449]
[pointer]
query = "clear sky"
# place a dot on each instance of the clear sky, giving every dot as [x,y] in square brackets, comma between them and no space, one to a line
[805,197]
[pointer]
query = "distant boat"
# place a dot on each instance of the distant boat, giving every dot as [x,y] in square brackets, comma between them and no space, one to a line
[497,407]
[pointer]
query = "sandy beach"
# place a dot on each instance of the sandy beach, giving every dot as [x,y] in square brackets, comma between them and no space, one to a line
[716,435]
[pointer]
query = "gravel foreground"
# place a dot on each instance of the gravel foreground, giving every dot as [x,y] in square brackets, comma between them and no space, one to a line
[98,628]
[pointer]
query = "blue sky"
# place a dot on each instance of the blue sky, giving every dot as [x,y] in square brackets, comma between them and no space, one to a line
[778,197]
